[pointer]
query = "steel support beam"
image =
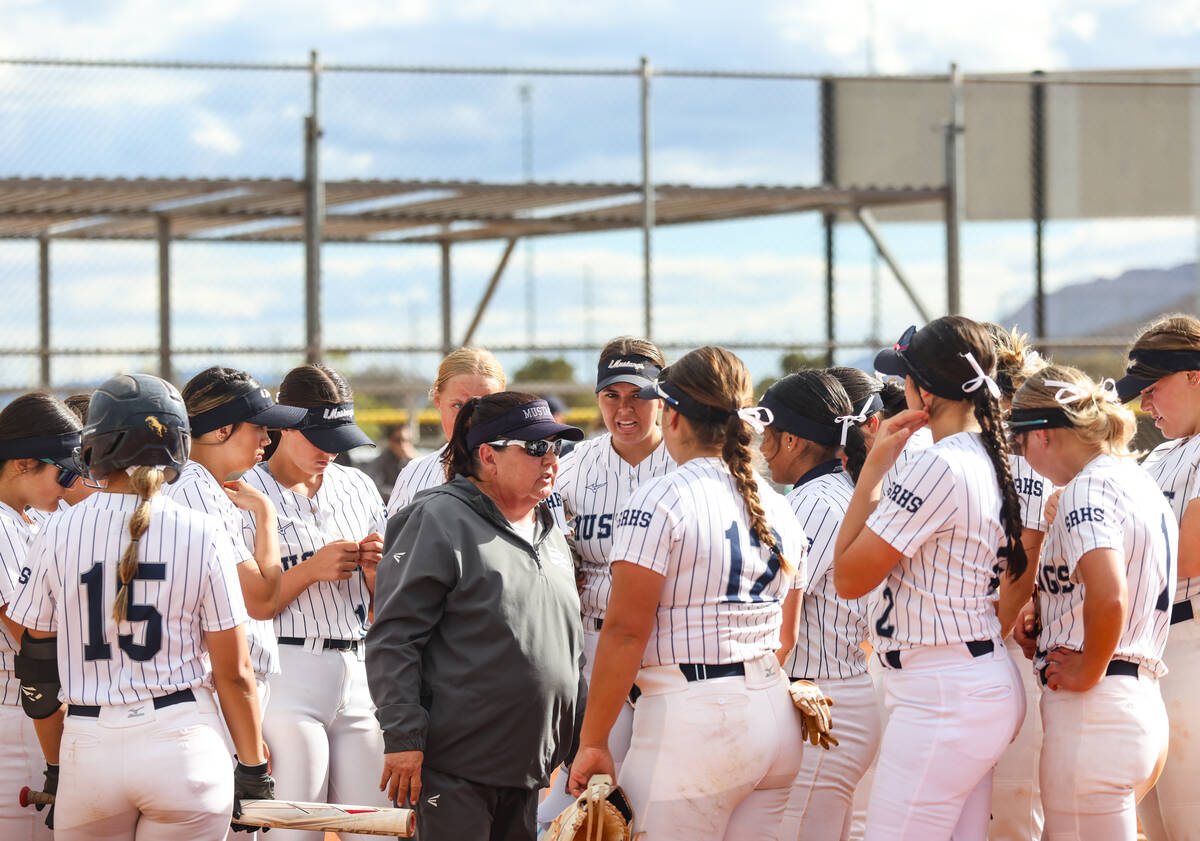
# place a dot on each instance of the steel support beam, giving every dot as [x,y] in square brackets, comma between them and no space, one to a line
[447,340]
[44,309]
[1037,189]
[955,190]
[647,202]
[314,218]
[867,220]
[164,298]
[491,289]
[829,220]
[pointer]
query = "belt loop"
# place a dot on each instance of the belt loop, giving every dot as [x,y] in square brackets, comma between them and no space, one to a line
[314,645]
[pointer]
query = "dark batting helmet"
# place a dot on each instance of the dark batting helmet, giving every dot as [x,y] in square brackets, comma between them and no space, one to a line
[135,419]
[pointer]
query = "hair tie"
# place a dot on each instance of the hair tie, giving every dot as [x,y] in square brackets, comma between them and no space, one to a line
[980,378]
[1068,392]
[1109,386]
[847,420]
[758,417]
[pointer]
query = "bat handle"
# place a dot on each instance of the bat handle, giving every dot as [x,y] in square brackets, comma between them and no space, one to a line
[29,796]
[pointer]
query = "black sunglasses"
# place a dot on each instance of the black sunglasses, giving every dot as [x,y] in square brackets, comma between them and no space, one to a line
[537,449]
[66,478]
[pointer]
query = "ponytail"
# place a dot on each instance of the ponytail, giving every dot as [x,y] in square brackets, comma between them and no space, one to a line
[146,482]
[987,413]
[457,458]
[737,456]
[855,450]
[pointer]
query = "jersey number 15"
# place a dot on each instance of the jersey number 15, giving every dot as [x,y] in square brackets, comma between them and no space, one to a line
[96,648]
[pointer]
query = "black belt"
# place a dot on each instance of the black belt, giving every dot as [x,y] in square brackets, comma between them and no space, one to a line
[978,648]
[698,671]
[598,623]
[1182,612]
[328,645]
[1125,668]
[183,696]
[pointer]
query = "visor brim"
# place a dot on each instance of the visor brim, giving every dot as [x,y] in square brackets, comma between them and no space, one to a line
[337,439]
[1129,387]
[277,416]
[890,362]
[632,379]
[544,429]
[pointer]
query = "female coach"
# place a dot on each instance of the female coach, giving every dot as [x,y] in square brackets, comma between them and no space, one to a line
[475,651]
[464,373]
[939,542]
[229,414]
[1107,574]
[813,423]
[702,562]
[39,437]
[320,725]
[129,599]
[1164,367]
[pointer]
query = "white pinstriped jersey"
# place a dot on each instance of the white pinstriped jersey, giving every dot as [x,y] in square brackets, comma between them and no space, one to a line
[198,489]
[1033,488]
[416,476]
[942,514]
[721,601]
[16,535]
[831,628]
[1111,504]
[920,440]
[186,584]
[593,485]
[347,506]
[1175,466]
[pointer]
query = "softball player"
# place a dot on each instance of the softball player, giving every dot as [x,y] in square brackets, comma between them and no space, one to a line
[702,561]
[465,373]
[38,439]
[1164,367]
[1107,573]
[1016,792]
[128,598]
[939,541]
[595,480]
[803,446]
[325,742]
[229,413]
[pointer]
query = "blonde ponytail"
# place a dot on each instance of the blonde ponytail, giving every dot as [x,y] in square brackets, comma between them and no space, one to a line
[146,482]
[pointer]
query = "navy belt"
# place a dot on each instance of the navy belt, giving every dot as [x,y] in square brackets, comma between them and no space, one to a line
[328,645]
[1182,612]
[598,623]
[1124,668]
[978,648]
[183,696]
[698,671]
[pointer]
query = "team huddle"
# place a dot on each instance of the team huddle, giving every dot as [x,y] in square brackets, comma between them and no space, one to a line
[972,574]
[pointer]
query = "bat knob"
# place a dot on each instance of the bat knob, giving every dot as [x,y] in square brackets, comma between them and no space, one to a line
[23,796]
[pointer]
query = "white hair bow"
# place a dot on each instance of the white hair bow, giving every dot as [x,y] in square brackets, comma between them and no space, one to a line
[980,378]
[861,417]
[1072,392]
[759,417]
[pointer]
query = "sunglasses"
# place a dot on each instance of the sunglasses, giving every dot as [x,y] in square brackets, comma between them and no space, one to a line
[537,449]
[66,478]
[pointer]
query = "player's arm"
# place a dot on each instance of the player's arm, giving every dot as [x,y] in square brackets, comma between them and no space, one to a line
[628,623]
[1189,541]
[1105,597]
[1015,594]
[789,632]
[262,575]
[233,678]
[47,713]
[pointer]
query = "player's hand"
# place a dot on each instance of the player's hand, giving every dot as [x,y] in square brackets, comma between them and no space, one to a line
[589,761]
[370,549]
[245,496]
[335,561]
[50,787]
[1064,670]
[1052,506]
[1025,632]
[250,782]
[893,434]
[402,776]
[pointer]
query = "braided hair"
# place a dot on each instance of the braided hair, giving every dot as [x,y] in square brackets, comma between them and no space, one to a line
[146,482]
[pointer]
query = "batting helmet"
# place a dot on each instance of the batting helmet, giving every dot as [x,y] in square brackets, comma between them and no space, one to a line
[136,419]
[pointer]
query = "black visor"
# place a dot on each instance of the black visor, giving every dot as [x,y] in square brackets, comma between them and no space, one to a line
[1137,379]
[62,449]
[633,368]
[255,406]
[331,428]
[532,421]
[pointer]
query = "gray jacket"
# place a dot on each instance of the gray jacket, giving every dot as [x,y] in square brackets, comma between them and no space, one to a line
[474,655]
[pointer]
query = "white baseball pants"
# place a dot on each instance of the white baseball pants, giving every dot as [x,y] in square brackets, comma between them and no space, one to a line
[950,717]
[819,807]
[325,742]
[1100,749]
[1171,811]
[21,764]
[137,772]
[712,758]
[1016,794]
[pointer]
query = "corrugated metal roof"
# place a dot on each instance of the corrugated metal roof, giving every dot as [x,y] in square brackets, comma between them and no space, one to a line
[272,210]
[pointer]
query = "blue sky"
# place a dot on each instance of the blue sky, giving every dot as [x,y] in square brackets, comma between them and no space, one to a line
[760,279]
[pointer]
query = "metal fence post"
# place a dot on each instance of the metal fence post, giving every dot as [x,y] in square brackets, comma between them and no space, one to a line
[164,298]
[314,217]
[1038,189]
[647,200]
[955,184]
[829,220]
[44,308]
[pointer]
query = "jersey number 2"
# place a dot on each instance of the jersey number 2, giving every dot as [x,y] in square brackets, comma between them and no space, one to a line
[733,593]
[96,648]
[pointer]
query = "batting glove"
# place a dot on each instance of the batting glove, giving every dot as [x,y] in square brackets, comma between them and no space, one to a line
[250,782]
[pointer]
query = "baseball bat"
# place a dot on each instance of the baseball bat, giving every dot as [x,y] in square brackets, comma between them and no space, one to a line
[293,814]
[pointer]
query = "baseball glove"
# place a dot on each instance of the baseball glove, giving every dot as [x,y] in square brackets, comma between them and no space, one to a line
[815,720]
[601,813]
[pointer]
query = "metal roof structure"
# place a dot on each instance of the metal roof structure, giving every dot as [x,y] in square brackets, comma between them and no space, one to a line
[393,211]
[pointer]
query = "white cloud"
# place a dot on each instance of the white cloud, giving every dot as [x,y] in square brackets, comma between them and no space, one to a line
[213,133]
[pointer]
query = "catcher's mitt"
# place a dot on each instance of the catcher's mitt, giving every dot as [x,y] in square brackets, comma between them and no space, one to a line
[815,720]
[601,813]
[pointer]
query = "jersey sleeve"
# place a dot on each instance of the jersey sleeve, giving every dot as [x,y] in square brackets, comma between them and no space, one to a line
[32,603]
[917,504]
[648,526]
[222,605]
[1090,514]
[1032,489]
